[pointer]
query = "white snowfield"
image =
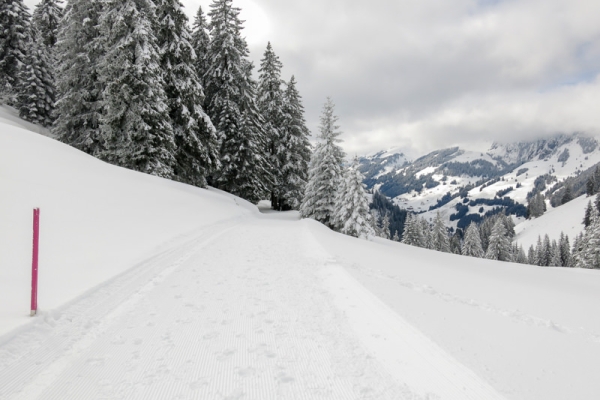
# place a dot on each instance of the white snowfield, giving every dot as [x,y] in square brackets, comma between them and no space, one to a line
[567,218]
[151,289]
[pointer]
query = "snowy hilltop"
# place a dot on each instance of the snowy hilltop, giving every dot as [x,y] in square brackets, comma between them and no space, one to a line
[464,185]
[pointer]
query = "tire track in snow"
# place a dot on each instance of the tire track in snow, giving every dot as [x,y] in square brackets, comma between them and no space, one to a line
[33,358]
[244,318]
[415,360]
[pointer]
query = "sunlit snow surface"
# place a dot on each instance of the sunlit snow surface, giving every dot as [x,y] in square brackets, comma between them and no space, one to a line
[151,289]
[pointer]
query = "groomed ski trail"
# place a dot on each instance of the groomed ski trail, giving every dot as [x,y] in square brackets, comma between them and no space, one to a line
[247,309]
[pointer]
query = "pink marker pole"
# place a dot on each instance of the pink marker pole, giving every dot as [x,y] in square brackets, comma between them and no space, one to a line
[34,264]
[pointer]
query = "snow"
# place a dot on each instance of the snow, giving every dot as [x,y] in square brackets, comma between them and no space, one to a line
[82,200]
[425,171]
[151,289]
[567,218]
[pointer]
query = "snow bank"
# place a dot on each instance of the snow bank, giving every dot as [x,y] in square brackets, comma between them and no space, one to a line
[527,330]
[97,220]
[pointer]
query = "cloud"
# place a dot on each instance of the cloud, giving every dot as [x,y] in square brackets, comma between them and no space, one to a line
[423,74]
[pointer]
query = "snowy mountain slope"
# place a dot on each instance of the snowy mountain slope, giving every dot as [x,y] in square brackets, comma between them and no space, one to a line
[567,218]
[165,291]
[471,184]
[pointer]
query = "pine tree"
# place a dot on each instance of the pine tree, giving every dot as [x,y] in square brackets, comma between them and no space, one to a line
[531,256]
[509,225]
[455,245]
[396,238]
[536,206]
[440,240]
[521,257]
[353,208]
[565,250]
[197,147]
[14,38]
[499,247]
[586,250]
[46,19]
[546,257]
[471,246]
[568,196]
[324,171]
[37,94]
[296,155]
[426,234]
[555,260]
[590,186]
[412,232]
[136,125]
[587,219]
[341,213]
[201,43]
[231,105]
[385,221]
[270,100]
[375,221]
[78,52]
[539,252]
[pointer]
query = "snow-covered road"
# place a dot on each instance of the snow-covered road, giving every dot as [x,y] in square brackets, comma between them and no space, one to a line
[249,308]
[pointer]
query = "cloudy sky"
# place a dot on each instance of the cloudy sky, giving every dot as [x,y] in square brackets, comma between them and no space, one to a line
[425,74]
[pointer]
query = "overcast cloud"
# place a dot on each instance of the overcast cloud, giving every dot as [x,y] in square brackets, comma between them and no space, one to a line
[426,74]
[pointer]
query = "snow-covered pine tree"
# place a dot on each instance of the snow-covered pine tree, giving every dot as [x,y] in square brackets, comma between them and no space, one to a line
[296,157]
[352,210]
[556,260]
[411,235]
[426,234]
[586,249]
[200,42]
[565,250]
[536,206]
[385,221]
[485,231]
[375,222]
[197,147]
[587,219]
[500,246]
[471,246]
[575,251]
[324,171]
[136,126]
[78,52]
[341,212]
[46,18]
[440,240]
[455,245]
[37,94]
[539,252]
[231,105]
[509,225]
[270,100]
[396,238]
[567,196]
[546,257]
[15,21]
[531,256]
[521,256]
